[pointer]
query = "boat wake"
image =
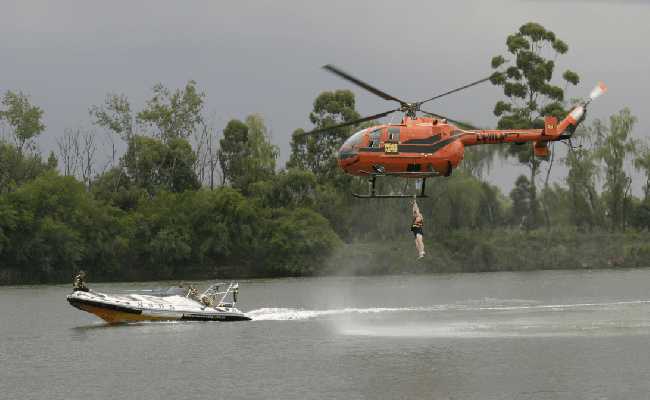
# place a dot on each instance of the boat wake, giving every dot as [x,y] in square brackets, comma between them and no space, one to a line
[288,314]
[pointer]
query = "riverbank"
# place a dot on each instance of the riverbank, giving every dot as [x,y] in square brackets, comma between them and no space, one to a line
[458,251]
[496,250]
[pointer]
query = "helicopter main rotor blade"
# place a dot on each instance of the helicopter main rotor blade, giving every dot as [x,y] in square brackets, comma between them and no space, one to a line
[453,121]
[348,123]
[361,83]
[456,90]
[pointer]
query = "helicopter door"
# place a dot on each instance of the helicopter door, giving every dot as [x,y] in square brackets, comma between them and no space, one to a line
[392,141]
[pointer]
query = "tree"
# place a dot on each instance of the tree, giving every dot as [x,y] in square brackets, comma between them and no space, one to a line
[297,242]
[154,165]
[317,152]
[23,118]
[246,156]
[614,146]
[521,202]
[585,208]
[529,91]
[17,168]
[642,163]
[477,160]
[115,115]
[232,150]
[57,228]
[581,179]
[77,149]
[207,153]
[292,188]
[174,114]
[115,188]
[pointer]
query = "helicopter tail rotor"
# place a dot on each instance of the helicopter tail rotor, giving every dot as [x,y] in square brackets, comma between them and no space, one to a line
[598,91]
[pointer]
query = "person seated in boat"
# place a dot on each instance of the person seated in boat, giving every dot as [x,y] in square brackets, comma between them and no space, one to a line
[416,228]
[192,292]
[78,283]
[206,301]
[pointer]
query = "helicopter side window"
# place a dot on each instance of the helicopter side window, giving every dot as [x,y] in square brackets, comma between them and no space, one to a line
[393,134]
[374,138]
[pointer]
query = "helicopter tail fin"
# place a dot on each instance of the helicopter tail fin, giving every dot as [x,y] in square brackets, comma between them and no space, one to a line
[578,114]
[550,126]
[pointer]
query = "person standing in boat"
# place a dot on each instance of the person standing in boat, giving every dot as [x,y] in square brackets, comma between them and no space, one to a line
[79,282]
[416,228]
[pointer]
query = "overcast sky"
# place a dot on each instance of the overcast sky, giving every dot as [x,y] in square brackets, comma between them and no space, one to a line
[265,56]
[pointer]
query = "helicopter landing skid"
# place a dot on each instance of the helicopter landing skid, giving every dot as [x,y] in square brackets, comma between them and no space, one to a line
[373,195]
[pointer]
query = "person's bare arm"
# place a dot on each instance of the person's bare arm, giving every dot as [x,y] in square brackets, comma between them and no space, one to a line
[416,210]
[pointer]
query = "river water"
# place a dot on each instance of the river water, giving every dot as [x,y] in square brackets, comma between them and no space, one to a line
[532,335]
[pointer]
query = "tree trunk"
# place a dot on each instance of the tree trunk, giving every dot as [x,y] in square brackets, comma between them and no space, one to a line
[534,210]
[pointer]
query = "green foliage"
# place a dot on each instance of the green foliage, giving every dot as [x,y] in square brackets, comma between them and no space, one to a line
[530,93]
[478,160]
[23,118]
[614,145]
[154,165]
[17,168]
[571,77]
[246,156]
[317,152]
[291,188]
[116,188]
[149,218]
[298,241]
[584,201]
[220,229]
[641,215]
[642,163]
[233,150]
[55,227]
[521,203]
[173,115]
[529,79]
[115,115]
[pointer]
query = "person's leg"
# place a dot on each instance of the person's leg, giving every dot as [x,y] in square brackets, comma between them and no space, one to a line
[417,244]
[420,243]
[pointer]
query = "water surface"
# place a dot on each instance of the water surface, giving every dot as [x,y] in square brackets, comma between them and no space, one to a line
[533,335]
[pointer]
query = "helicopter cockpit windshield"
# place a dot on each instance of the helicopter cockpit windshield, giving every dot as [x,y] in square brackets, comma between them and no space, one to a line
[351,146]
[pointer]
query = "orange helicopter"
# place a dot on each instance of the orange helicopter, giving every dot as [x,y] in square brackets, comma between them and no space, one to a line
[424,147]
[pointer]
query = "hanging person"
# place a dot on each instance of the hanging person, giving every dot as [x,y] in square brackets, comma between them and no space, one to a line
[416,228]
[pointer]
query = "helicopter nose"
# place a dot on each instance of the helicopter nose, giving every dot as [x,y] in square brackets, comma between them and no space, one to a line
[346,154]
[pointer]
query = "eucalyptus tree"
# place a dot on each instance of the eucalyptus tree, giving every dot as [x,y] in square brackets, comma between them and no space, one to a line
[527,85]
